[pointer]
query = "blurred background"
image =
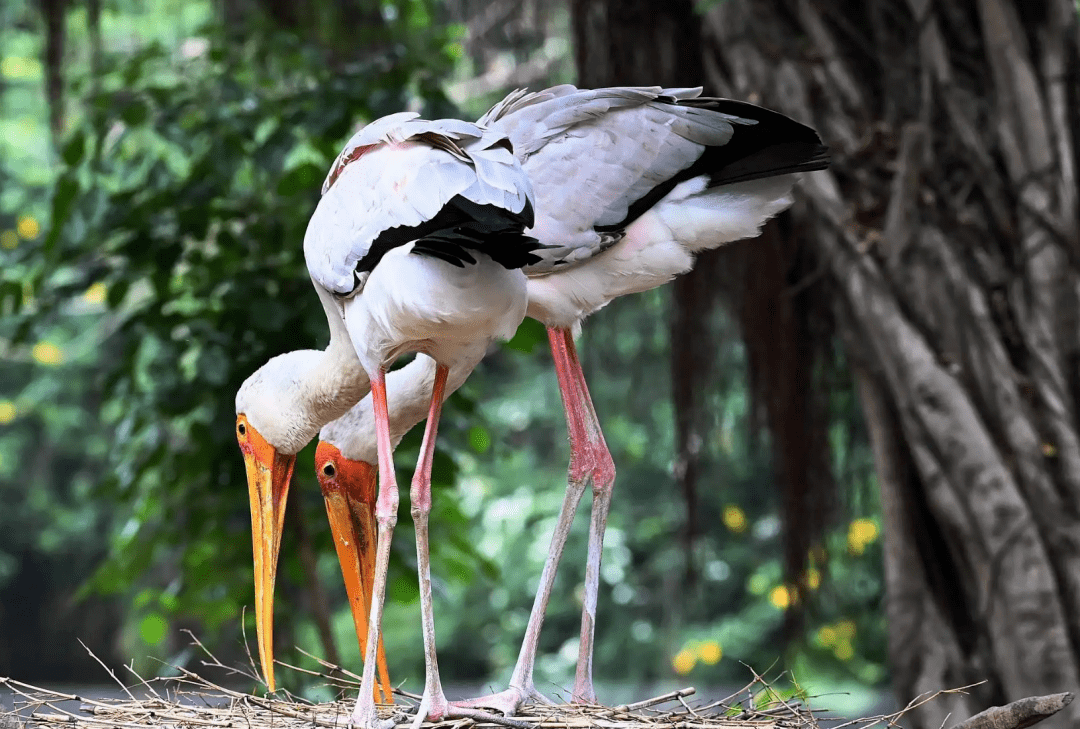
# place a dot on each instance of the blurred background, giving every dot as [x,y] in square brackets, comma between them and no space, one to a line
[906,335]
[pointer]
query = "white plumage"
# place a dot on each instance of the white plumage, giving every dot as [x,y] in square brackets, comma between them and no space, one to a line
[399,173]
[427,305]
[294,394]
[656,247]
[630,183]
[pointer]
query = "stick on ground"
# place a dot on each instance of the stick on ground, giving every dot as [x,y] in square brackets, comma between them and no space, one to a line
[1018,714]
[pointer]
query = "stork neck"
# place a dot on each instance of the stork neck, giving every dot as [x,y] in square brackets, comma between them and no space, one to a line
[408,393]
[338,381]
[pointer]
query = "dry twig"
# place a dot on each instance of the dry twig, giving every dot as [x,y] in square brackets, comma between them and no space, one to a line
[198,702]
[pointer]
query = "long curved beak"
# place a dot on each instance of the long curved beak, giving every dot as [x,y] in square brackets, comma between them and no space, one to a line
[349,489]
[268,474]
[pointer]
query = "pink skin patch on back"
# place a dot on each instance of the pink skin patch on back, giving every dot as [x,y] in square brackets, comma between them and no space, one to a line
[345,158]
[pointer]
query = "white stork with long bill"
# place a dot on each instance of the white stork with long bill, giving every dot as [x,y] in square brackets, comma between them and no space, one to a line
[630,184]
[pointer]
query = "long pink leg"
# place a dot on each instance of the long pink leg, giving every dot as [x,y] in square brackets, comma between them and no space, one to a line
[602,471]
[364,715]
[433,703]
[589,460]
[522,687]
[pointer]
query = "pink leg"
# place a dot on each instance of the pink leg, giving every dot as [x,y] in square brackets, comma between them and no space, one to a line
[364,715]
[589,459]
[433,704]
[602,471]
[522,688]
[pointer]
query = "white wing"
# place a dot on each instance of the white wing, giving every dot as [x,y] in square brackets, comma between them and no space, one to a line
[396,175]
[599,158]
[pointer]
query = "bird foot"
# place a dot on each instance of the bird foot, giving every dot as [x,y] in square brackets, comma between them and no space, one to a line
[584,695]
[437,708]
[507,702]
[366,717]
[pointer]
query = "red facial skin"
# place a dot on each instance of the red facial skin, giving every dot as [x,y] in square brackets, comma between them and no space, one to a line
[349,489]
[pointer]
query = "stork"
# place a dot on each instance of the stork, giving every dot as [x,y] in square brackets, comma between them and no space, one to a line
[416,245]
[630,184]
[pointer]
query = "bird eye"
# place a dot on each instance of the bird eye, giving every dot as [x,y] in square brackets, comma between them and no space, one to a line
[328,469]
[241,429]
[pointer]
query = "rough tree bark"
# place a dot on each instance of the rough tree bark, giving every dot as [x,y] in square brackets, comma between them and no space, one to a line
[945,255]
[947,229]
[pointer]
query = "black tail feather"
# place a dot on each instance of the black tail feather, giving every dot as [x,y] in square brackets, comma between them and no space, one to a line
[774,145]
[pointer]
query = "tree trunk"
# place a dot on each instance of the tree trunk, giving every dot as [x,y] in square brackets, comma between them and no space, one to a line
[93,27]
[54,14]
[948,232]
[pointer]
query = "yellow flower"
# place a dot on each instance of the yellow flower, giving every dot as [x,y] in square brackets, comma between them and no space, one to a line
[95,294]
[8,411]
[780,597]
[9,239]
[861,532]
[16,67]
[813,578]
[47,353]
[684,662]
[710,652]
[846,629]
[826,636]
[844,650]
[28,227]
[734,519]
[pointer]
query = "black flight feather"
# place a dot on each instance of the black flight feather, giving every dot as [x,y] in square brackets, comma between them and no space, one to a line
[774,145]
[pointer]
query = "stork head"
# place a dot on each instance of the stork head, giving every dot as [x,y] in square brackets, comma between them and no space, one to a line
[274,421]
[349,488]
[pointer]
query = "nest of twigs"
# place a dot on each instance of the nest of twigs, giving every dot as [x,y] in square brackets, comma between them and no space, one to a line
[190,701]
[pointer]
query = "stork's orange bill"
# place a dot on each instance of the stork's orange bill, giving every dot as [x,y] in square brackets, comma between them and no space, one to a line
[348,489]
[268,476]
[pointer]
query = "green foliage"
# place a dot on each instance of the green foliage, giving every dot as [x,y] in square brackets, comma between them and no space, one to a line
[182,200]
[172,267]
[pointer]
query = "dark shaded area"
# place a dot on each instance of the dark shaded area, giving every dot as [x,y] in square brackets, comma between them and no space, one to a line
[41,600]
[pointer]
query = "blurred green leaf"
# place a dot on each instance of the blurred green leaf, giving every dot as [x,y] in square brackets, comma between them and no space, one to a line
[529,334]
[479,439]
[63,200]
[74,149]
[305,177]
[152,628]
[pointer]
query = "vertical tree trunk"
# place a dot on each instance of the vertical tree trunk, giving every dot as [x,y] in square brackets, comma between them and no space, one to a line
[234,16]
[635,43]
[93,24]
[947,229]
[53,13]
